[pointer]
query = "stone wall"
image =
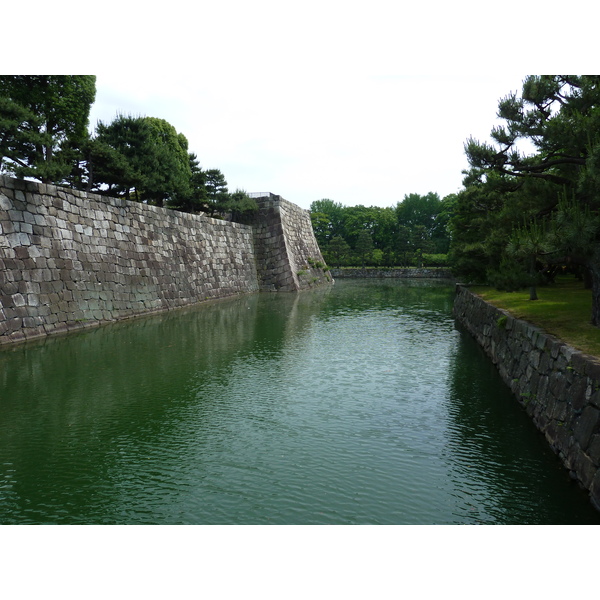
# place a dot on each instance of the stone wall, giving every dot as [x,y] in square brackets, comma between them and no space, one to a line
[412,273]
[558,386]
[288,256]
[70,259]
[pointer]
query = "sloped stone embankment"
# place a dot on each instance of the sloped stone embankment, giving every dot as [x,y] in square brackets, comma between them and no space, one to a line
[558,385]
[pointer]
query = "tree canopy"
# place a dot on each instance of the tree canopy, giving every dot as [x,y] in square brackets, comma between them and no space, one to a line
[144,156]
[43,120]
[515,220]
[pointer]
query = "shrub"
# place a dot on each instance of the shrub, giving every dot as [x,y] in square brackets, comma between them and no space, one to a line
[435,260]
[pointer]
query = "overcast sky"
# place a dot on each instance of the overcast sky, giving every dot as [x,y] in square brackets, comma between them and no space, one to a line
[354,138]
[358,102]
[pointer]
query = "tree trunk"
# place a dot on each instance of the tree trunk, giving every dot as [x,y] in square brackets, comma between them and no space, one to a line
[594,267]
[533,274]
[587,278]
[533,293]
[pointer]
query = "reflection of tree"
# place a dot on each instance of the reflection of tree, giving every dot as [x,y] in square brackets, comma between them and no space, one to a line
[416,297]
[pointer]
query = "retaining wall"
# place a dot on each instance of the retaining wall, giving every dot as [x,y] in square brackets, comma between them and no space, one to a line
[558,385]
[70,259]
[412,273]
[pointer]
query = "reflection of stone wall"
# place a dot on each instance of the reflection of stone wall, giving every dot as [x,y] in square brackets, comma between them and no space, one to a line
[558,386]
[70,259]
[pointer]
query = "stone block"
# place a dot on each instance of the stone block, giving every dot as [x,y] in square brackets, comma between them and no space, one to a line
[593,450]
[577,393]
[557,384]
[545,364]
[17,336]
[177,251]
[583,466]
[5,202]
[14,324]
[557,409]
[595,397]
[592,369]
[580,362]
[18,300]
[587,424]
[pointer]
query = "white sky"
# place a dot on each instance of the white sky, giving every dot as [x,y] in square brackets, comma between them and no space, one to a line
[358,102]
[356,138]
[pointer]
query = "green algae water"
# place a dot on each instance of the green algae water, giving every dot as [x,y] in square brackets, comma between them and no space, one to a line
[357,404]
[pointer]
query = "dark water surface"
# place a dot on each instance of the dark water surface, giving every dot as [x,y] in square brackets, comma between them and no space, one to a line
[361,404]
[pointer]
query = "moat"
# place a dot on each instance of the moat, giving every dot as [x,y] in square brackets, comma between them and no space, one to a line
[361,403]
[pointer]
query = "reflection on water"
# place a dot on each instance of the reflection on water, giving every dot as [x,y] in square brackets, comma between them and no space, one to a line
[361,403]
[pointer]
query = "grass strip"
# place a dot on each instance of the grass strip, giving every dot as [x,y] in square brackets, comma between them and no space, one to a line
[563,309]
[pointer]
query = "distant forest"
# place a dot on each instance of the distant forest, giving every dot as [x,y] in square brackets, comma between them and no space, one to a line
[412,233]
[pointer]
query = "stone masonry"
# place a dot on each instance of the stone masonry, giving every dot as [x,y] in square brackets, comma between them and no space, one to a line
[383,273]
[70,259]
[558,385]
[288,256]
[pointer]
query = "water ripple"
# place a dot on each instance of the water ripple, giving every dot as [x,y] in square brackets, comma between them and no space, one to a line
[362,406]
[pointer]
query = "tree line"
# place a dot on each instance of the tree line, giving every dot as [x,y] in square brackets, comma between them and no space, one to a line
[44,134]
[412,233]
[528,213]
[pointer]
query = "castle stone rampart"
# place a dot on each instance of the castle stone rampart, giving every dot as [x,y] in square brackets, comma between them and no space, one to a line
[71,259]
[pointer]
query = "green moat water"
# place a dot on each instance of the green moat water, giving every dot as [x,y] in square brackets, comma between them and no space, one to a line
[357,404]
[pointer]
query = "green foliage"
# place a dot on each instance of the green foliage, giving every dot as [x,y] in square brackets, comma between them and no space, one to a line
[216,191]
[317,264]
[196,198]
[399,235]
[514,207]
[171,173]
[243,208]
[419,211]
[509,276]
[338,250]
[43,123]
[364,245]
[144,156]
[436,260]
[125,155]
[327,220]
[574,229]
[376,257]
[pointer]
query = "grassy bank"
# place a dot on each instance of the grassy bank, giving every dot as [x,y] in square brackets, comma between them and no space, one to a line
[564,309]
